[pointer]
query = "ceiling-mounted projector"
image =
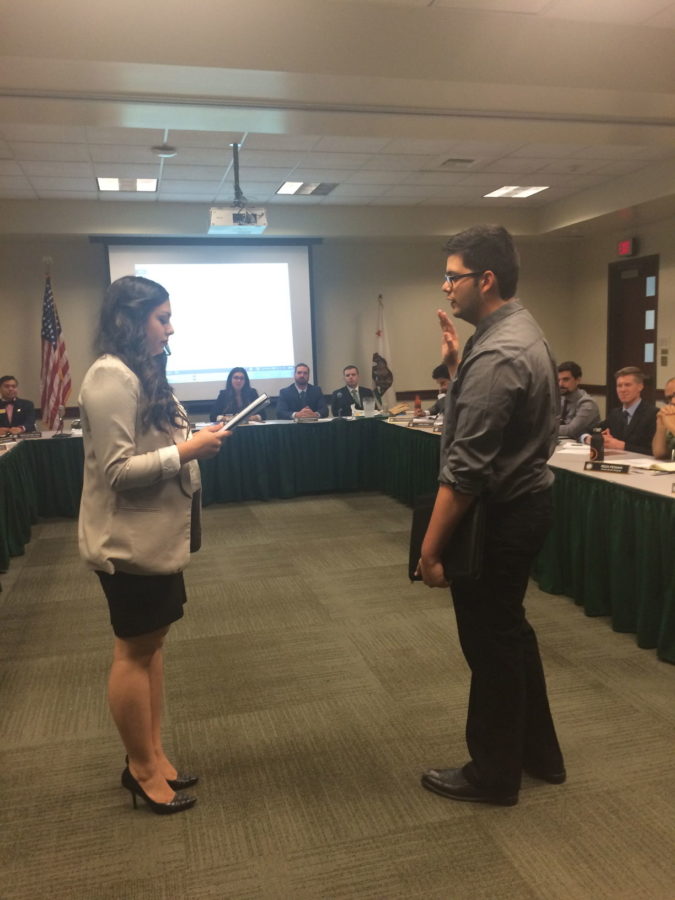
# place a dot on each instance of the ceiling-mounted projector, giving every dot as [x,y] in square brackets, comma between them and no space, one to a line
[237,220]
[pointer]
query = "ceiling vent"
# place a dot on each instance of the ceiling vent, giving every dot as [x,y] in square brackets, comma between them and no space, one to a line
[458,164]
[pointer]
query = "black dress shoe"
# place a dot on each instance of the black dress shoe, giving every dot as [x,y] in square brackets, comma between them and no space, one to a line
[180,782]
[452,783]
[180,802]
[551,777]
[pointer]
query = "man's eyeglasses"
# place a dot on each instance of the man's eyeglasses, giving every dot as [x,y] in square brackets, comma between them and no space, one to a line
[669,398]
[453,279]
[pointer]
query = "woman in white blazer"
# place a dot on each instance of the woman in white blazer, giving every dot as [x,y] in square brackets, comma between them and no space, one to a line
[139,518]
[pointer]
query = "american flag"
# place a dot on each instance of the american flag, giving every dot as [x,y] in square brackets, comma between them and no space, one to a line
[55,373]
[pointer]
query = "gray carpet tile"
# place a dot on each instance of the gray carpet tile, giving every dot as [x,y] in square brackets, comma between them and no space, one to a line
[310,684]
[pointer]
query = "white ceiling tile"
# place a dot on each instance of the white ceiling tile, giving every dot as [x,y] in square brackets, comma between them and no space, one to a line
[16,193]
[46,151]
[612,11]
[42,183]
[571,166]
[515,164]
[274,159]
[333,160]
[359,190]
[371,177]
[548,151]
[198,173]
[130,170]
[135,197]
[394,201]
[621,167]
[291,200]
[67,195]
[206,139]
[420,147]
[413,191]
[10,167]
[612,151]
[137,137]
[489,181]
[14,182]
[203,188]
[63,169]
[337,176]
[395,163]
[121,153]
[293,142]
[334,144]
[261,174]
[57,134]
[204,156]
[437,179]
[483,149]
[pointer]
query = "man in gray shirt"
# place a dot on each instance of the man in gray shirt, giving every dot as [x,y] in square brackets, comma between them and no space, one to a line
[578,411]
[501,427]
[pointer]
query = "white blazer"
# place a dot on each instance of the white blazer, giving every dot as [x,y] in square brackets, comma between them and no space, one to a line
[136,506]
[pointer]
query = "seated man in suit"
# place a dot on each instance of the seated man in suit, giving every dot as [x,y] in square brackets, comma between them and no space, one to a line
[578,411]
[16,415]
[632,425]
[301,400]
[351,394]
[441,376]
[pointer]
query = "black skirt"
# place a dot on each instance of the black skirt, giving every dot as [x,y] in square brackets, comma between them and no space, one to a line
[141,604]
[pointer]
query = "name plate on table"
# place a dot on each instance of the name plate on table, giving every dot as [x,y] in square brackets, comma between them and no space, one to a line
[614,468]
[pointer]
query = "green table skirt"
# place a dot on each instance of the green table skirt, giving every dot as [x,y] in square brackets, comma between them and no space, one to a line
[611,549]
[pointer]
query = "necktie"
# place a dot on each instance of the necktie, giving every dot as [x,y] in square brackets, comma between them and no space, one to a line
[563,414]
[302,399]
[626,419]
[355,397]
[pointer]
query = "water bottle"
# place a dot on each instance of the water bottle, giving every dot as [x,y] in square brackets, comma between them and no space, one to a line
[597,445]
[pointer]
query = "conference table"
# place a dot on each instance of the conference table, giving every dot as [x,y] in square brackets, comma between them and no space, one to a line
[611,548]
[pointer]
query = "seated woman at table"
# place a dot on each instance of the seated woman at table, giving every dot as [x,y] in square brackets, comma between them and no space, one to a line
[663,443]
[238,393]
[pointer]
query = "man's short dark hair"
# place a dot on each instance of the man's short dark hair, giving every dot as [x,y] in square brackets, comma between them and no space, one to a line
[631,370]
[573,368]
[484,247]
[297,366]
[8,378]
[440,372]
[351,367]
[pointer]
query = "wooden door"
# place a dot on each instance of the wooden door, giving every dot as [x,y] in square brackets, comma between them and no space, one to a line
[632,319]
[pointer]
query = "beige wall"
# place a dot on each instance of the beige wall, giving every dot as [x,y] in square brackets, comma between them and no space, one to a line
[348,276]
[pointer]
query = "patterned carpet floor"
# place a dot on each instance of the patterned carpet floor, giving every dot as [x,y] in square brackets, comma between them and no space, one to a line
[309,684]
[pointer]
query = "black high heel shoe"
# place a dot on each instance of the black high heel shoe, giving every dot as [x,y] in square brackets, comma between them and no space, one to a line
[180,782]
[179,803]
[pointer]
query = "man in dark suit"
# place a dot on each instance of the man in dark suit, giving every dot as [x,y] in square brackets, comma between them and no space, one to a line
[352,394]
[301,400]
[632,425]
[16,415]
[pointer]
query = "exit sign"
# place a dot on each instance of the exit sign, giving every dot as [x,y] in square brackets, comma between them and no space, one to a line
[627,247]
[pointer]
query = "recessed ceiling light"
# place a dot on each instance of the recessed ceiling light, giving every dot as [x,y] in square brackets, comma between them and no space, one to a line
[516,191]
[127,184]
[306,188]
[289,187]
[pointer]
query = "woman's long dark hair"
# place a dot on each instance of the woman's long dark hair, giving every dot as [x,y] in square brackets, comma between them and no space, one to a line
[128,303]
[229,390]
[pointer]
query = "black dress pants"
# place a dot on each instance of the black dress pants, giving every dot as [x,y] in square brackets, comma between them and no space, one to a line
[509,724]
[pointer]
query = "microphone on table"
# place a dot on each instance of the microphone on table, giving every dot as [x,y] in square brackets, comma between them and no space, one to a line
[61,412]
